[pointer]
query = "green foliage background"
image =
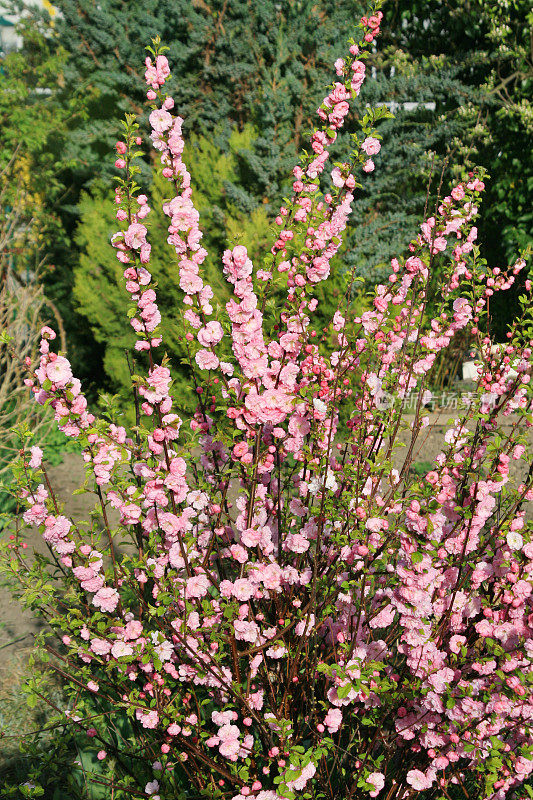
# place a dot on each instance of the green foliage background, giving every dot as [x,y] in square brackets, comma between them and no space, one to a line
[247,77]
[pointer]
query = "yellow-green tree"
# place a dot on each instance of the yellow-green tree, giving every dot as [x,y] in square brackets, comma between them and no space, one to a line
[98,277]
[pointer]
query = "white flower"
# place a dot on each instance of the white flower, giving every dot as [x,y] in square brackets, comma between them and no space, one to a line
[515,540]
[320,406]
[151,787]
[373,383]
[317,483]
[331,483]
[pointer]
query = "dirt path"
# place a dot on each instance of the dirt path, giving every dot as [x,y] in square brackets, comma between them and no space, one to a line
[17,626]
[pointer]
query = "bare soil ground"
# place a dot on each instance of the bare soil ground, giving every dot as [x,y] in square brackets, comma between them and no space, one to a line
[17,626]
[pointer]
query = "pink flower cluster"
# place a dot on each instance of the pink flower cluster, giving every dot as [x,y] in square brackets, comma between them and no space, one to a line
[156,72]
[184,232]
[332,112]
[52,383]
[133,249]
[292,597]
[372,23]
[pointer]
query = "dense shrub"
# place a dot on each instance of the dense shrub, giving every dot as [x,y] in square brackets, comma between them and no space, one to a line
[268,602]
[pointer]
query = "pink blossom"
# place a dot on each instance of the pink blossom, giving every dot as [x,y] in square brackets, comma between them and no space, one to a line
[206,359]
[458,192]
[100,647]
[333,720]
[441,679]
[36,457]
[414,574]
[456,642]
[173,729]
[135,236]
[376,524]
[515,540]
[339,66]
[147,719]
[159,380]
[418,780]
[337,178]
[162,67]
[48,333]
[439,244]
[210,334]
[56,528]
[197,586]
[384,618]
[221,718]
[106,599]
[272,405]
[130,513]
[35,515]
[305,626]
[251,537]
[121,649]
[297,543]
[59,372]
[190,282]
[371,146]
[246,631]
[228,731]
[230,745]
[160,120]
[377,779]
[133,629]
[243,589]
[299,783]
[89,579]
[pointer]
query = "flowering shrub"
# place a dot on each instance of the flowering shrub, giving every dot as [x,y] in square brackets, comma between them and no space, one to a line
[282,608]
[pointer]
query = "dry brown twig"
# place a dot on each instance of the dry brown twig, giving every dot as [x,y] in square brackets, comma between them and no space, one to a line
[24,309]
